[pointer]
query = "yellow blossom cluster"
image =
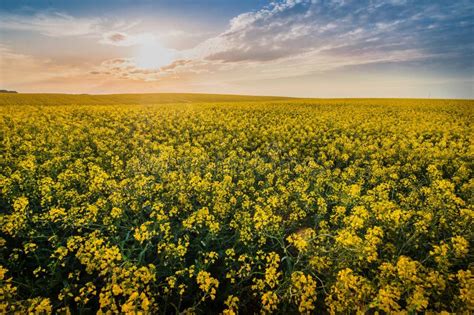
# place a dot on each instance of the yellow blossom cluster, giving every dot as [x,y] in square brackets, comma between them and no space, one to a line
[304,290]
[207,284]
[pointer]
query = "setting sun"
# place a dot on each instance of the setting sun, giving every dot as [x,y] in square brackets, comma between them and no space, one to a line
[152,55]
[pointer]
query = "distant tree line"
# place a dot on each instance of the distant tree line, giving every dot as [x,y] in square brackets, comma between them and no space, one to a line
[6,91]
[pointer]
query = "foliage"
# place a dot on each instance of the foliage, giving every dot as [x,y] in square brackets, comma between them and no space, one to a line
[306,206]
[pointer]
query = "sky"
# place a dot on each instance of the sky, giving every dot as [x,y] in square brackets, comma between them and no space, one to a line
[304,48]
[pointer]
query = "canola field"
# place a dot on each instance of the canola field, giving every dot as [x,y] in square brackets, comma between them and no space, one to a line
[210,205]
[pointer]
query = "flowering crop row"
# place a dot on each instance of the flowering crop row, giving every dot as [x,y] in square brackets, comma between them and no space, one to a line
[258,207]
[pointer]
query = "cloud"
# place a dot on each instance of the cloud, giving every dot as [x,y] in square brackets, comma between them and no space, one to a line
[299,37]
[60,24]
[54,24]
[123,39]
[128,39]
[129,68]
[368,31]
[115,37]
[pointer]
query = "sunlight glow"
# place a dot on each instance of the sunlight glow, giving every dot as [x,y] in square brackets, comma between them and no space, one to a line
[152,55]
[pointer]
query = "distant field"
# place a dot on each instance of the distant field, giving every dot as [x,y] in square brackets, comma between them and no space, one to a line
[226,204]
[45,99]
[126,99]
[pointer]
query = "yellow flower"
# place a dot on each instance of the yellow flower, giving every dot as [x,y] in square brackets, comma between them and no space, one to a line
[202,218]
[269,302]
[116,289]
[460,246]
[466,288]
[232,303]
[350,292]
[30,247]
[300,240]
[418,300]
[40,306]
[387,299]
[303,288]
[207,284]
[144,232]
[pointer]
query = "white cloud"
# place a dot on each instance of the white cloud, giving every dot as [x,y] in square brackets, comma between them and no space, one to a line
[60,24]
[298,37]
[130,68]
[295,27]
[286,38]
[54,24]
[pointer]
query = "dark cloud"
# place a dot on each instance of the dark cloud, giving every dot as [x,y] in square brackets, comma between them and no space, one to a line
[116,37]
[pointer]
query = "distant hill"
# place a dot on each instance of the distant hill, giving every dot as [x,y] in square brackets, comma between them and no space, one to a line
[128,99]
[6,91]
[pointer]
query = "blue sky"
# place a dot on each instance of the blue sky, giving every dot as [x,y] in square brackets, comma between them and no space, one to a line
[316,48]
[219,11]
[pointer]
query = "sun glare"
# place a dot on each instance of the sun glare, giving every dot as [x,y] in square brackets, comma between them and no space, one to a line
[152,55]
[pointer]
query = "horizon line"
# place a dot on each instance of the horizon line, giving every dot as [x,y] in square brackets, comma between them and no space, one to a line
[230,94]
